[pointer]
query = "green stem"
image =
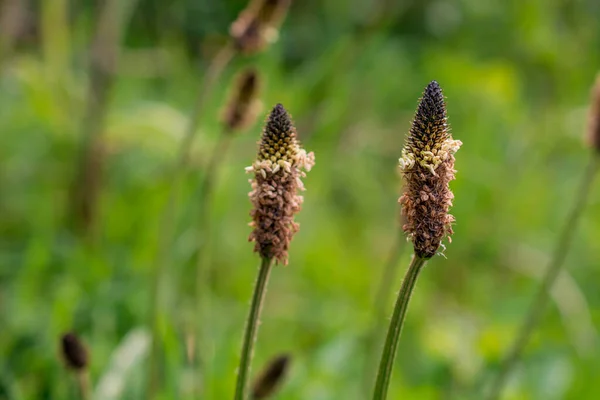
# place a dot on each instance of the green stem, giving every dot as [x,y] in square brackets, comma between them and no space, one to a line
[252,328]
[214,71]
[540,301]
[83,385]
[391,342]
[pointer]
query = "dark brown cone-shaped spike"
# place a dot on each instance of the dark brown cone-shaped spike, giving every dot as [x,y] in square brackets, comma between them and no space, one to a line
[74,352]
[244,104]
[271,377]
[278,169]
[257,25]
[593,133]
[427,166]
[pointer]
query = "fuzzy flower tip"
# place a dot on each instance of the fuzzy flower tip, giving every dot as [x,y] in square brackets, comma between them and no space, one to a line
[243,105]
[257,26]
[427,167]
[593,133]
[278,170]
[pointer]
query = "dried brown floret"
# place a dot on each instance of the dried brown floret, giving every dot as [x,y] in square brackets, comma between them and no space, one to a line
[258,24]
[278,170]
[593,133]
[244,105]
[427,166]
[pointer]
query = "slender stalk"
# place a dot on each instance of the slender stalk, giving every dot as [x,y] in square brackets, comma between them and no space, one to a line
[214,71]
[83,385]
[241,387]
[113,19]
[541,298]
[388,355]
[205,191]
[380,302]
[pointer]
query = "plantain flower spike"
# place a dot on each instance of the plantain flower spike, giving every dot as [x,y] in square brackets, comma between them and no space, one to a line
[593,133]
[278,170]
[258,24]
[243,105]
[427,167]
[271,378]
[74,352]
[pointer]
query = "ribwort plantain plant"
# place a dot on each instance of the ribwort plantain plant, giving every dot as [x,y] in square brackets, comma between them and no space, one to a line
[254,29]
[427,166]
[278,169]
[540,300]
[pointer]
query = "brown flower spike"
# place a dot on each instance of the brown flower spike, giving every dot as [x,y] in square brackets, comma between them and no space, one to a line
[427,166]
[270,378]
[74,352]
[258,24]
[244,105]
[593,136]
[278,170]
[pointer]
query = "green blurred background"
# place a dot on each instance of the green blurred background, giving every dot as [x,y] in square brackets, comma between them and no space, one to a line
[516,75]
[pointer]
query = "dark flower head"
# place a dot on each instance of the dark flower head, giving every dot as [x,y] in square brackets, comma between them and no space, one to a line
[427,166]
[593,133]
[271,377]
[74,352]
[257,25]
[278,169]
[244,105]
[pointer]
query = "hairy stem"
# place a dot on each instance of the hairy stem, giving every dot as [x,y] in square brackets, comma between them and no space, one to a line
[538,305]
[391,342]
[252,328]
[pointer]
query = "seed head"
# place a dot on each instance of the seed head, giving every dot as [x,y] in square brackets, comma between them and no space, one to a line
[244,105]
[278,170]
[427,166]
[258,24]
[593,133]
[271,377]
[74,352]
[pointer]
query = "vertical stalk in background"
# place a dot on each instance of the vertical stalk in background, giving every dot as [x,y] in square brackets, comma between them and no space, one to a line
[540,301]
[380,304]
[252,327]
[13,25]
[384,373]
[113,19]
[214,71]
[427,167]
[240,112]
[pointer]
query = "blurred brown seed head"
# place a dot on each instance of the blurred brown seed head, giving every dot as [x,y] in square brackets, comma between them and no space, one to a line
[244,104]
[427,166]
[74,352]
[257,26]
[278,170]
[271,377]
[593,133]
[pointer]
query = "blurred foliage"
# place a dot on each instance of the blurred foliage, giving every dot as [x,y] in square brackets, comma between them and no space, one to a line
[516,75]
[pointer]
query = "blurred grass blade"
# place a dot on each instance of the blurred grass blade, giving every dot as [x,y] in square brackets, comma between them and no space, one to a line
[123,361]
